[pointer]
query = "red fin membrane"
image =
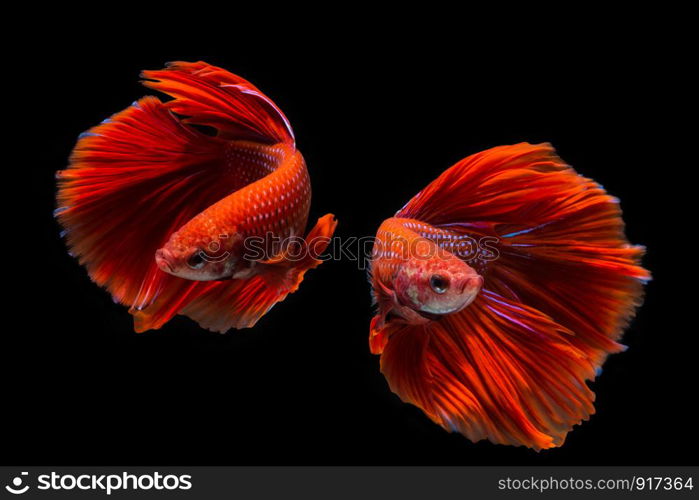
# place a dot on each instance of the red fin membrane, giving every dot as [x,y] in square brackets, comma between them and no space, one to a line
[132,181]
[561,238]
[215,305]
[497,370]
[212,96]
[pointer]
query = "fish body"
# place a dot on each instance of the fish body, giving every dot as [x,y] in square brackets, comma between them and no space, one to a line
[507,354]
[161,211]
[272,202]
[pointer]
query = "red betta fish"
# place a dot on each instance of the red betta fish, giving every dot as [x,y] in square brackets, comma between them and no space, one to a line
[501,288]
[160,212]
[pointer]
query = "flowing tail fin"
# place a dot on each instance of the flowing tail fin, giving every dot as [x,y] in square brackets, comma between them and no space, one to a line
[497,370]
[214,97]
[132,181]
[143,173]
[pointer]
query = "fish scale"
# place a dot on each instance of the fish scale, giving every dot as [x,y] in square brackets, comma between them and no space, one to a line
[276,198]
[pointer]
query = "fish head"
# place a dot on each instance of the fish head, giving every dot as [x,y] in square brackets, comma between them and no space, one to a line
[198,257]
[437,285]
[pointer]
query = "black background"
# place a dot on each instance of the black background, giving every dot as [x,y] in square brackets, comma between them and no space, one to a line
[376,118]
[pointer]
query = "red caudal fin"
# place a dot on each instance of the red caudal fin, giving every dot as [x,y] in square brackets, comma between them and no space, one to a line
[131,182]
[221,305]
[561,243]
[211,96]
[497,370]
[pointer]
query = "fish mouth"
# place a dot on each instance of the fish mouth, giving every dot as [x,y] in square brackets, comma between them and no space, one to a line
[163,258]
[472,285]
[471,288]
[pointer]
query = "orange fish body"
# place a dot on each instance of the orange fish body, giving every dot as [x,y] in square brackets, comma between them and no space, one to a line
[274,203]
[501,346]
[160,211]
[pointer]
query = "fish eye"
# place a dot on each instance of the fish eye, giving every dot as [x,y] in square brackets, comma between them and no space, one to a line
[196,261]
[439,283]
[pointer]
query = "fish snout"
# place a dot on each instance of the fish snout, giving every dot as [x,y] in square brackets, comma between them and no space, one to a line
[164,259]
[470,286]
